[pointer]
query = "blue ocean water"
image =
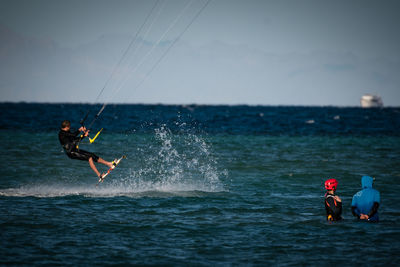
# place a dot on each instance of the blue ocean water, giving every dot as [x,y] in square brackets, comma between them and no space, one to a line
[202,185]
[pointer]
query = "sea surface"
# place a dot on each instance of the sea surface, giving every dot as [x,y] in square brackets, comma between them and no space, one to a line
[201,186]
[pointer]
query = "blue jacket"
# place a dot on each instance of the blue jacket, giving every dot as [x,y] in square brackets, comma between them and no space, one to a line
[364,200]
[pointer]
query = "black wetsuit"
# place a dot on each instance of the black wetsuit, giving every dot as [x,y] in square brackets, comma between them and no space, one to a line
[333,208]
[69,141]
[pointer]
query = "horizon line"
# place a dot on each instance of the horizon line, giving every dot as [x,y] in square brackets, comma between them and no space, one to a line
[188,104]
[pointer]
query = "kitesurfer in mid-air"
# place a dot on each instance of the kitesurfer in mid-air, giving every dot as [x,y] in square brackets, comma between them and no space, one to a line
[70,140]
[333,203]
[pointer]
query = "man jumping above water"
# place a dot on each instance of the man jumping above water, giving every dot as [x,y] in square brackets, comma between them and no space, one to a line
[70,140]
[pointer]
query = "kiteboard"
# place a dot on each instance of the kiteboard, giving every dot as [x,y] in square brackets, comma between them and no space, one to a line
[115,164]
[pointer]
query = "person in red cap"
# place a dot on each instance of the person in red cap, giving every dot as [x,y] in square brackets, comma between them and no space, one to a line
[333,203]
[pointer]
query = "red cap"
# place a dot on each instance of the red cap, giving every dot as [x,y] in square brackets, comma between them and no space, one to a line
[331,184]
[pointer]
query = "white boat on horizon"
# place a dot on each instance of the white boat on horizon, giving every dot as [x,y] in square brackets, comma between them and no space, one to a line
[371,101]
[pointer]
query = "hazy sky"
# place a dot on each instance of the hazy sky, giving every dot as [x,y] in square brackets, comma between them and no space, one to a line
[236,52]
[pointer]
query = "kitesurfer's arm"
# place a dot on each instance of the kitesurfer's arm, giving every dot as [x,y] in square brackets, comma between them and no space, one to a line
[70,139]
[355,212]
[78,137]
[375,206]
[354,209]
[72,135]
[337,198]
[373,211]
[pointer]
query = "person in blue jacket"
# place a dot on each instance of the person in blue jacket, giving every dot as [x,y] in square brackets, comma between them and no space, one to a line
[366,202]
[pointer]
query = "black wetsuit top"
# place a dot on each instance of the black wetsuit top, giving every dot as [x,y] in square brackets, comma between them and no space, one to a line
[69,141]
[333,208]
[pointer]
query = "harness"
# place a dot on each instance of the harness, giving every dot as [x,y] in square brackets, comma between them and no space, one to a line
[330,217]
[332,196]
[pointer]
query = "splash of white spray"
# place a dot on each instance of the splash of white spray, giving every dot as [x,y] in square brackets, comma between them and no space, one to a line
[181,162]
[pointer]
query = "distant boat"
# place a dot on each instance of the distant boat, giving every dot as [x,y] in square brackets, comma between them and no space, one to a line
[371,101]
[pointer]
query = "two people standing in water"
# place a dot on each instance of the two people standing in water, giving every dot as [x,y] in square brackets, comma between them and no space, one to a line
[364,205]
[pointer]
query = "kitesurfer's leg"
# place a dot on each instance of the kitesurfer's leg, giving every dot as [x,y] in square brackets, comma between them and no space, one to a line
[102,161]
[91,163]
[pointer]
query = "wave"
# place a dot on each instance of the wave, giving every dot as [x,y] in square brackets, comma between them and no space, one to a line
[109,190]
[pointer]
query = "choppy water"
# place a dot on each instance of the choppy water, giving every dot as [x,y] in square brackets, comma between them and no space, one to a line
[202,185]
